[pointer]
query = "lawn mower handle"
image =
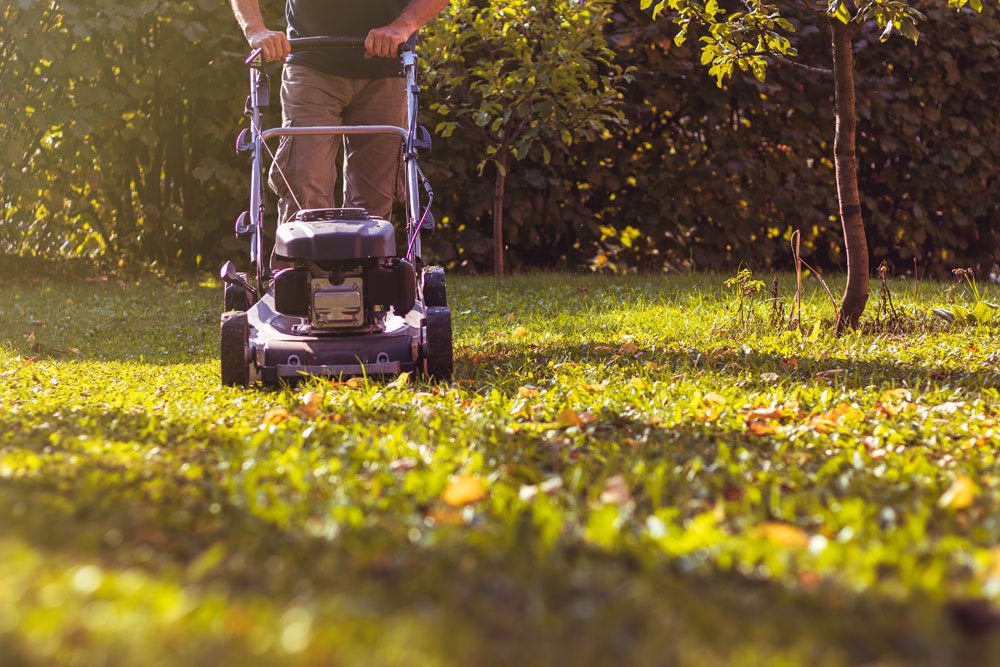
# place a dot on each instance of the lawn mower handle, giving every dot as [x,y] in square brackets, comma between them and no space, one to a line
[323,42]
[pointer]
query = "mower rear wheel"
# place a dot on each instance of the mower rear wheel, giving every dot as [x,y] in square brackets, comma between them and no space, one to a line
[233,350]
[440,356]
[237,297]
[435,294]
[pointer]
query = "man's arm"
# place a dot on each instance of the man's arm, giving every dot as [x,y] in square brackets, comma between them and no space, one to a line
[385,42]
[273,43]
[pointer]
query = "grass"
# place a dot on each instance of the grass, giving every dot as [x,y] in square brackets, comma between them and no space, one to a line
[624,472]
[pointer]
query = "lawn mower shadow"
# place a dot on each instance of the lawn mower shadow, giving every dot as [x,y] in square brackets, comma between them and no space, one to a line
[496,364]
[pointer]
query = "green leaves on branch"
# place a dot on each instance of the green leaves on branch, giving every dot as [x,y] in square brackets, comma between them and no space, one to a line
[521,77]
[744,40]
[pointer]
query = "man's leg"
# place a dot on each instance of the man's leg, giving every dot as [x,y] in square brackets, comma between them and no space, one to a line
[304,170]
[372,162]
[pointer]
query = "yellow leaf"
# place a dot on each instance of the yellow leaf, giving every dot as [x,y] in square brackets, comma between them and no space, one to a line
[519,332]
[527,392]
[275,415]
[592,388]
[356,383]
[569,417]
[311,403]
[401,380]
[713,398]
[959,495]
[783,535]
[464,490]
[706,414]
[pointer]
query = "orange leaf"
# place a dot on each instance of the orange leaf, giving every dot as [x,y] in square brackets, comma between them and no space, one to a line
[763,413]
[527,392]
[628,348]
[783,535]
[463,490]
[275,415]
[569,417]
[760,428]
[604,349]
[311,403]
[959,495]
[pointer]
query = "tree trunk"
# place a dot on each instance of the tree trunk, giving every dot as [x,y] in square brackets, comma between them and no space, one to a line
[846,161]
[501,159]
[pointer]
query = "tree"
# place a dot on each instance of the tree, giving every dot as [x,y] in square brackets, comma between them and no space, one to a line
[758,33]
[519,77]
[118,125]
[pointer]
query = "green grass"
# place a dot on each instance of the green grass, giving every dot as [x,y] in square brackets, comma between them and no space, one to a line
[636,511]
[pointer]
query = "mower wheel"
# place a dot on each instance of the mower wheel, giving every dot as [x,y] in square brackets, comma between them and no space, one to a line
[233,350]
[435,294]
[440,357]
[237,297]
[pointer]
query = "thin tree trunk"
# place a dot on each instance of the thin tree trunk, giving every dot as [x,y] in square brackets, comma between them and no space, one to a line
[498,212]
[846,161]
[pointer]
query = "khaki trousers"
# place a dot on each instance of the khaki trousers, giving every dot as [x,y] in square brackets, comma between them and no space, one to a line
[306,166]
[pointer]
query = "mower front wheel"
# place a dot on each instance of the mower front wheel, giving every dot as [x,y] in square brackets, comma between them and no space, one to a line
[233,350]
[438,344]
[435,294]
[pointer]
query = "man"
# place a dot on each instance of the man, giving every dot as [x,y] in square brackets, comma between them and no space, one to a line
[338,87]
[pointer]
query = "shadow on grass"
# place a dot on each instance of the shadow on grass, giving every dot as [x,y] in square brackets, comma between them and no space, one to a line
[490,366]
[489,593]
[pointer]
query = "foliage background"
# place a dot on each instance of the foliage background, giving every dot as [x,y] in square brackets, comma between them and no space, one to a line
[119,119]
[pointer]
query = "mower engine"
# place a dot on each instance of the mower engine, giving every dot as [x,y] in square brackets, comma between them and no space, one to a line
[343,273]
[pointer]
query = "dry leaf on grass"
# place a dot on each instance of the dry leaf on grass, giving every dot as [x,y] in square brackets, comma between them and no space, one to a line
[959,495]
[783,535]
[616,491]
[464,490]
[312,403]
[275,415]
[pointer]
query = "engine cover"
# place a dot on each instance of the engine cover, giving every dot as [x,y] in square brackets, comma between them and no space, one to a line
[337,306]
[325,235]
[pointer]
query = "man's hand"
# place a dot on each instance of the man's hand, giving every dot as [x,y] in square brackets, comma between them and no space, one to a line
[273,44]
[385,42]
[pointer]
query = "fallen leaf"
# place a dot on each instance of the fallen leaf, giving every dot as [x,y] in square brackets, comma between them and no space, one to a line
[714,398]
[356,383]
[628,348]
[760,428]
[592,388]
[275,415]
[463,490]
[568,417]
[604,349]
[616,491]
[519,332]
[765,413]
[312,403]
[769,377]
[527,392]
[959,495]
[401,381]
[784,535]
[706,415]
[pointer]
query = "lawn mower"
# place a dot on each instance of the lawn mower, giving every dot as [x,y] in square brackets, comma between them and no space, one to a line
[346,303]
